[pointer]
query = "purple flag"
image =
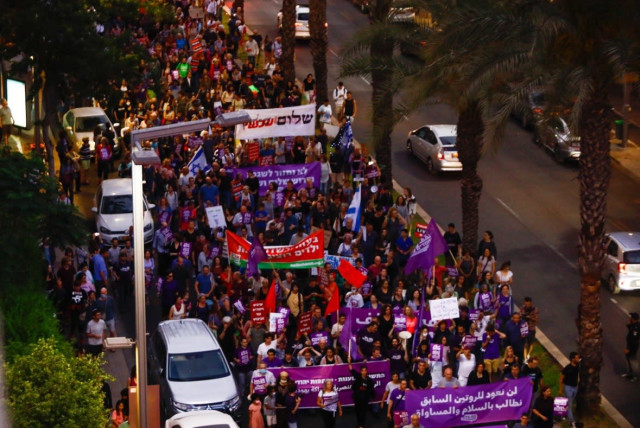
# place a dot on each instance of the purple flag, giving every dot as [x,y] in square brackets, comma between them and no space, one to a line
[257,254]
[347,336]
[431,245]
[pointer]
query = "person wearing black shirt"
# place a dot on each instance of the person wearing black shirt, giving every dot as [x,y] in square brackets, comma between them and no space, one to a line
[366,337]
[534,373]
[569,379]
[543,409]
[478,376]
[454,243]
[421,378]
[633,342]
[362,392]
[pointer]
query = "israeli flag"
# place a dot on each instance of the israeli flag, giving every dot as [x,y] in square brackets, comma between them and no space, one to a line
[198,162]
[354,212]
[346,139]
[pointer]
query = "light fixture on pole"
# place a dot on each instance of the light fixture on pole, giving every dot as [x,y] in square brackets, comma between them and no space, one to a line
[144,157]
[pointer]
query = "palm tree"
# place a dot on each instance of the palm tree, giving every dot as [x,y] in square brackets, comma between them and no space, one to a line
[587,46]
[288,40]
[370,53]
[318,30]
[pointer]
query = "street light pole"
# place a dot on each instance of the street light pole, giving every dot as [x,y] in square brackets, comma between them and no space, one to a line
[141,317]
[139,158]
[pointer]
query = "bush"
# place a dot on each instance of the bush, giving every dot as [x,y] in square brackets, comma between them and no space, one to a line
[49,388]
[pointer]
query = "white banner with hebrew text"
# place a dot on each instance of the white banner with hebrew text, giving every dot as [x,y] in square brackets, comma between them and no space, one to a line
[278,122]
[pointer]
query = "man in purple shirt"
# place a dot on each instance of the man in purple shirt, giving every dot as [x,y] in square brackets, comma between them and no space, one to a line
[491,347]
[272,361]
[242,358]
[396,402]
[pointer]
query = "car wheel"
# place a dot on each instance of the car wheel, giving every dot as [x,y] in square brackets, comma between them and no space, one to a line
[536,139]
[409,147]
[430,166]
[613,285]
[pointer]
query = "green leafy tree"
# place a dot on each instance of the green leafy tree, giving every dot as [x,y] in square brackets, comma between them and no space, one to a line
[66,55]
[51,388]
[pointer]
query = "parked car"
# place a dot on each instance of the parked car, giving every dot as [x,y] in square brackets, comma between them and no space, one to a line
[363,5]
[554,134]
[193,373]
[113,208]
[436,146]
[530,111]
[621,269]
[86,122]
[302,22]
[201,419]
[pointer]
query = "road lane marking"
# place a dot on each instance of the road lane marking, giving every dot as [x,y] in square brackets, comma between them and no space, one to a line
[622,308]
[548,244]
[332,52]
[365,80]
[506,207]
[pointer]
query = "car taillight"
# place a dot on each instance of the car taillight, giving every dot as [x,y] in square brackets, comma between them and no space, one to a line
[298,24]
[326,25]
[622,267]
[440,155]
[537,111]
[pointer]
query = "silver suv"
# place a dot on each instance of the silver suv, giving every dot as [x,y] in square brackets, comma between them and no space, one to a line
[622,262]
[193,374]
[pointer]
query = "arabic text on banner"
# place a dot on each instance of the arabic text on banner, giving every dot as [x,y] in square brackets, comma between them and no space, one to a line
[495,402]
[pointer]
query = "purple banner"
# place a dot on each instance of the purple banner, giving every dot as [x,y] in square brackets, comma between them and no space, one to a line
[309,381]
[471,405]
[281,174]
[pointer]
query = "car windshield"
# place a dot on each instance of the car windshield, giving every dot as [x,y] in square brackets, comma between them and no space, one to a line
[197,366]
[448,142]
[632,257]
[89,123]
[303,16]
[120,204]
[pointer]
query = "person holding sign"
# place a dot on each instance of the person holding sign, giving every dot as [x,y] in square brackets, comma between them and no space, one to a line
[329,402]
[396,401]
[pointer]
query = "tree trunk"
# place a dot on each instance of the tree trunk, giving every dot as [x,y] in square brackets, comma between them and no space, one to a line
[49,103]
[594,176]
[469,143]
[318,47]
[288,40]
[381,96]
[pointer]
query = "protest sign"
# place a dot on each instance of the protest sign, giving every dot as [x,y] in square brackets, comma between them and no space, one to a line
[309,381]
[258,312]
[278,122]
[400,323]
[471,405]
[281,174]
[239,306]
[215,216]
[560,406]
[277,322]
[360,317]
[304,323]
[317,337]
[444,309]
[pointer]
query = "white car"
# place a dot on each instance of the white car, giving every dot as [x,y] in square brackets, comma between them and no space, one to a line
[302,22]
[113,208]
[621,269]
[435,145]
[82,122]
[201,419]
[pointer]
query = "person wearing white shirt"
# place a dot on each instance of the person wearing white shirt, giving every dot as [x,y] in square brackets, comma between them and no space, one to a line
[466,364]
[354,298]
[336,329]
[339,95]
[265,346]
[325,113]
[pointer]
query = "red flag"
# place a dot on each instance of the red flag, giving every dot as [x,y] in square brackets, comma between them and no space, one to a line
[270,301]
[334,300]
[351,274]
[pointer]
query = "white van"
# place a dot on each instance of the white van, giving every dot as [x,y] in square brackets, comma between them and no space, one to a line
[187,362]
[302,22]
[621,269]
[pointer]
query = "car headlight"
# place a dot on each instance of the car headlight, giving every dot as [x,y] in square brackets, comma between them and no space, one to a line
[181,406]
[233,404]
[148,227]
[105,230]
